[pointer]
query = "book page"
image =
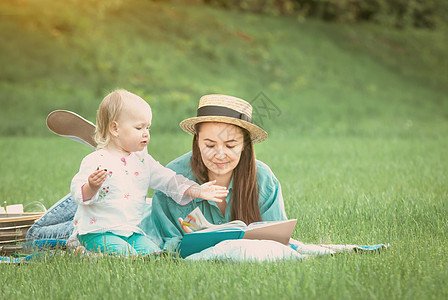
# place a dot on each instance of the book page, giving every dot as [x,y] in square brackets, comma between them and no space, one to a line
[233,225]
[280,231]
[264,223]
[197,222]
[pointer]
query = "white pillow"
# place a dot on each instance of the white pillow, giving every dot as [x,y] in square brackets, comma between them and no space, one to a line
[247,250]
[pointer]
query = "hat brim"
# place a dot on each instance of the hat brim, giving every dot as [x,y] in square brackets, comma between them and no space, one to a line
[257,134]
[69,124]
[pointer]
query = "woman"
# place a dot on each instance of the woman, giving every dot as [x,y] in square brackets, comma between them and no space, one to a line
[223,138]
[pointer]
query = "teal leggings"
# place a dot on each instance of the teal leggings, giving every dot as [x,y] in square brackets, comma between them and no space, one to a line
[110,243]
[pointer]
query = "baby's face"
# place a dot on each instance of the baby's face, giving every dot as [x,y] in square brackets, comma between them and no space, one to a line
[133,126]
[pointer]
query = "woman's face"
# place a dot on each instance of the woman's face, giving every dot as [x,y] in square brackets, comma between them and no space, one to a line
[220,145]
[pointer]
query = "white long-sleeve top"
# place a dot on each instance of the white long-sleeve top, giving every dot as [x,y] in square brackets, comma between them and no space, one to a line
[119,204]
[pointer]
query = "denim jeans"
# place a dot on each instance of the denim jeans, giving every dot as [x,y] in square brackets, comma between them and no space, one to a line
[56,223]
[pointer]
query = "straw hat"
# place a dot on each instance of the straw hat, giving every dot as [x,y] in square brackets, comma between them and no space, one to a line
[225,109]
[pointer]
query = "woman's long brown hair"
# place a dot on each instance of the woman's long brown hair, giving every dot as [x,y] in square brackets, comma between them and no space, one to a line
[245,188]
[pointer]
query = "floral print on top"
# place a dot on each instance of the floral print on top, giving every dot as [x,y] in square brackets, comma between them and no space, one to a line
[119,204]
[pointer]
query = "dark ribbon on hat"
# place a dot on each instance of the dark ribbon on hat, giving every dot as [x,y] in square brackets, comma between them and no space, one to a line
[213,110]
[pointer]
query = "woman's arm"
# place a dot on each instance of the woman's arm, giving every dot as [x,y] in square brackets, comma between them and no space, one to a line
[272,207]
[165,214]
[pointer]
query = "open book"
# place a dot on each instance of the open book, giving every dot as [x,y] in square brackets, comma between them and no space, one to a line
[206,235]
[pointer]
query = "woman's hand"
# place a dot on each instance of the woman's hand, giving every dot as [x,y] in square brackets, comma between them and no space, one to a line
[184,228]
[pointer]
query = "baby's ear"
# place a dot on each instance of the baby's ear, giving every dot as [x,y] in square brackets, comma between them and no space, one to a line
[113,128]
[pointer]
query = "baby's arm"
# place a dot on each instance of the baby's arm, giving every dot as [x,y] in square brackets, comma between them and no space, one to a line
[95,180]
[208,191]
[178,187]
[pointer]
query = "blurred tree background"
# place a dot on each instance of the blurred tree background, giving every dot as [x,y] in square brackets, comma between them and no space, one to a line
[325,67]
[392,13]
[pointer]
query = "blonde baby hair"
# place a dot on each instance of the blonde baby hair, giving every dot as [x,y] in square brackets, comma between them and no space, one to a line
[108,112]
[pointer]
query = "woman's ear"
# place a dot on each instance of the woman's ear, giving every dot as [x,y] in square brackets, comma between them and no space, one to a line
[113,128]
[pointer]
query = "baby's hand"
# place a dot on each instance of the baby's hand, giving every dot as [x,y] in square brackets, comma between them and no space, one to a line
[93,184]
[211,191]
[97,178]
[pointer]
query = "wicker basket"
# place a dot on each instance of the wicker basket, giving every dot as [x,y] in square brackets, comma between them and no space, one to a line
[13,229]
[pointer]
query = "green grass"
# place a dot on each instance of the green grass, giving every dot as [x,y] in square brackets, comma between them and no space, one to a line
[342,190]
[329,278]
[359,144]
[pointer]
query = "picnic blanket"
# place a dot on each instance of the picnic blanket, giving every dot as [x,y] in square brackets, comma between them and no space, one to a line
[264,250]
[33,250]
[230,250]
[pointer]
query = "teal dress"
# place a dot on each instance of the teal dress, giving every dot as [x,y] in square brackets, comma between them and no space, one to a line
[161,218]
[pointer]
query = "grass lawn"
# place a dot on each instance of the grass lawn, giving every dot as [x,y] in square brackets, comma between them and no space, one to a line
[358,138]
[342,190]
